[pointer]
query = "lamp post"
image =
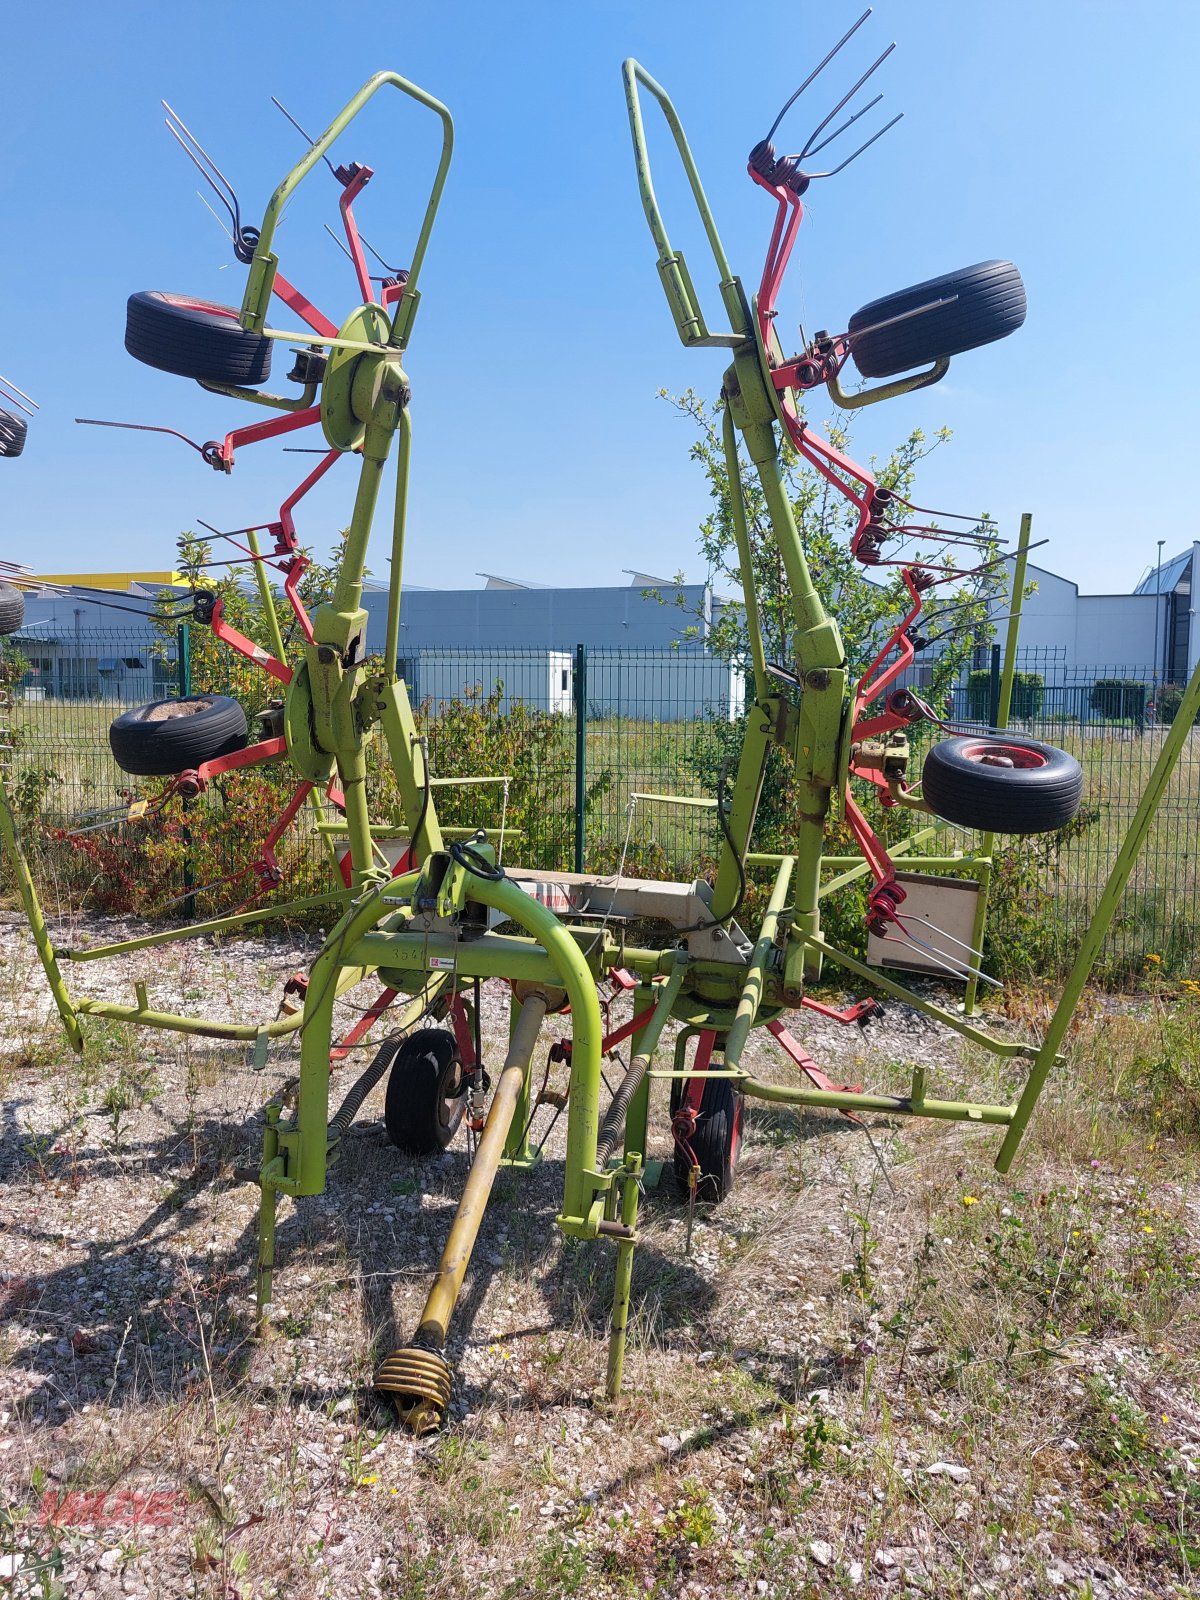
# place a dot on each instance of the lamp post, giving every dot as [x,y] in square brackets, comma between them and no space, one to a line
[1157,609]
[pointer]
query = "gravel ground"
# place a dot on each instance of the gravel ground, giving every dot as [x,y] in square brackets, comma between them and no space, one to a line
[159,1449]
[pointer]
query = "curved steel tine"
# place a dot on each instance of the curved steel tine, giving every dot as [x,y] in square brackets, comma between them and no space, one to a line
[140,427]
[964,627]
[983,520]
[817,148]
[280,106]
[944,958]
[846,98]
[204,164]
[395,272]
[841,167]
[950,938]
[11,392]
[214,216]
[820,67]
[901,316]
[255,527]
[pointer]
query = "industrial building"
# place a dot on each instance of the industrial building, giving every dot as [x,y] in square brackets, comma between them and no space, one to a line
[645,640]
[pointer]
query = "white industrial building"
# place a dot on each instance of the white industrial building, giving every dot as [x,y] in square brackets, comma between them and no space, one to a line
[1150,631]
[645,641]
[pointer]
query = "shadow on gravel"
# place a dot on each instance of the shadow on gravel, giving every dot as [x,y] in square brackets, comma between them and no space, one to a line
[159,1301]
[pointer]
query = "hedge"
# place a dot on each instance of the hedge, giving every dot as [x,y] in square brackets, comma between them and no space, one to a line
[1028,693]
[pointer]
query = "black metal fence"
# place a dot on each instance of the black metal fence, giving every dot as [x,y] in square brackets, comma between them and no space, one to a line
[596,754]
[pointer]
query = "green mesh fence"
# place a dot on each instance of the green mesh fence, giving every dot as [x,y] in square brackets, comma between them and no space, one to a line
[625,735]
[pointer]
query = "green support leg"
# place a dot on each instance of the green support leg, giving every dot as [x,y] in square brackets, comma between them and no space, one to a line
[631,1176]
[266,1219]
[37,922]
[1106,910]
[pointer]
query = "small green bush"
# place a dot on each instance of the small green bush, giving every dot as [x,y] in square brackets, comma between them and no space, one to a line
[1120,699]
[1028,694]
[1167,703]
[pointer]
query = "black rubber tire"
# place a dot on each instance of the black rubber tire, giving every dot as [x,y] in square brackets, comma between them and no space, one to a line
[426,1093]
[12,608]
[990,304]
[157,741]
[972,792]
[195,338]
[12,434]
[717,1141]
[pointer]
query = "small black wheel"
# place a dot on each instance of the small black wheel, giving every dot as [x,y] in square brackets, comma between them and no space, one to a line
[717,1141]
[1002,785]
[426,1093]
[195,338]
[12,434]
[12,608]
[169,736]
[985,302]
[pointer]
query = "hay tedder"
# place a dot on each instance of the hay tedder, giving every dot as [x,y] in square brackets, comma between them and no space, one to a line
[428,913]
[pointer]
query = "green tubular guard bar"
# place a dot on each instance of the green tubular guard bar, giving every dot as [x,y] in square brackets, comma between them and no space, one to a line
[300,1167]
[262,271]
[676,280]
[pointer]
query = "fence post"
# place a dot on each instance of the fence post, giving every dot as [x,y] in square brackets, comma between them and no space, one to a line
[183,667]
[994,694]
[580,690]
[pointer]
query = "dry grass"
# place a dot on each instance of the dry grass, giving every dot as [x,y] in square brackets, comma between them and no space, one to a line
[902,1375]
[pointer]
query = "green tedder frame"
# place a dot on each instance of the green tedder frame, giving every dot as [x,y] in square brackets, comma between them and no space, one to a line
[458,916]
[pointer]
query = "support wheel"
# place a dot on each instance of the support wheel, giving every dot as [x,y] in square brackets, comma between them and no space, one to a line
[426,1093]
[983,303]
[170,736]
[1002,785]
[12,434]
[195,338]
[717,1139]
[12,608]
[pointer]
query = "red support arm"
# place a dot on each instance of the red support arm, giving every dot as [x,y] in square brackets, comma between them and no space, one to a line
[264,430]
[247,647]
[805,1062]
[351,193]
[303,307]
[250,755]
[364,1025]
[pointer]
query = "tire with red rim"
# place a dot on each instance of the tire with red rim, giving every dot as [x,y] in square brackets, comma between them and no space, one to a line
[717,1141]
[194,338]
[1002,785]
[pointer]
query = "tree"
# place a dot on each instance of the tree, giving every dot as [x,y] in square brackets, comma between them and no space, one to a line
[866,608]
[213,664]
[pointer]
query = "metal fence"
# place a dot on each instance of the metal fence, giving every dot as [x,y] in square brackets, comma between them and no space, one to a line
[603,750]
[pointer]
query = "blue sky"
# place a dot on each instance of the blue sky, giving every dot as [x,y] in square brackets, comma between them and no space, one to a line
[1059,135]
